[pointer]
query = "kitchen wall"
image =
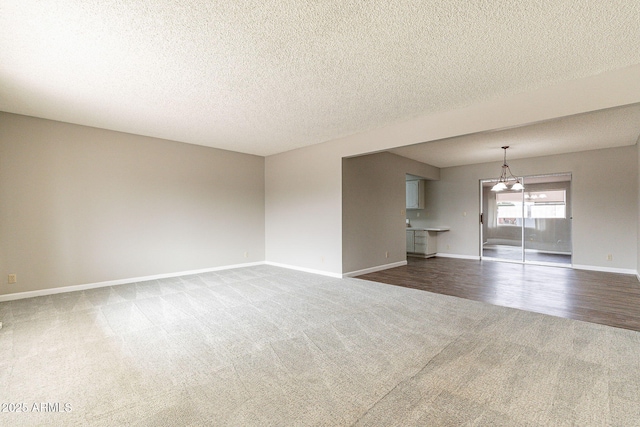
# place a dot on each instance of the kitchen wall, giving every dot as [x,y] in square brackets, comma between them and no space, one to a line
[422,217]
[373,209]
[604,194]
[83,205]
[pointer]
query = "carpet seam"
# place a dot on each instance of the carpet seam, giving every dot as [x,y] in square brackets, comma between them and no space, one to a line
[408,379]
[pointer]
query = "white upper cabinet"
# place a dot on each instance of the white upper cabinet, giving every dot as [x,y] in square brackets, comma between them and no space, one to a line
[415,194]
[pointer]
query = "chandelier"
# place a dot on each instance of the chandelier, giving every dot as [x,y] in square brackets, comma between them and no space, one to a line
[507,176]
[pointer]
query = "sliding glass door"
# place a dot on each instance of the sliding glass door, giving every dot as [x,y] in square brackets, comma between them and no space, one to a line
[502,223]
[532,225]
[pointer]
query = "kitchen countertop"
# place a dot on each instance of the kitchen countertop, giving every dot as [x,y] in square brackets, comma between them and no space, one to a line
[428,228]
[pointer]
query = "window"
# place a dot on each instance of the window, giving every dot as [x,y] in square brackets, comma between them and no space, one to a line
[546,204]
[551,204]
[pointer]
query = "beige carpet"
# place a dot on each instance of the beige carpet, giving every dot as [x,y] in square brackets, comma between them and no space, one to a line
[268,346]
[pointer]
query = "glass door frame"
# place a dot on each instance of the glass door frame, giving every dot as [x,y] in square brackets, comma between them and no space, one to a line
[483,217]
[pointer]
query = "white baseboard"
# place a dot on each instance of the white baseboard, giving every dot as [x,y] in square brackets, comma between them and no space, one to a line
[374,269]
[607,269]
[306,270]
[73,288]
[443,255]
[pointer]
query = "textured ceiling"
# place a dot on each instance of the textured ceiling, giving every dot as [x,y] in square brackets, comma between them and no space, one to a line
[267,76]
[613,127]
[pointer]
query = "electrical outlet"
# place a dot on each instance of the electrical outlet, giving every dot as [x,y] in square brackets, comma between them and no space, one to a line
[609,257]
[13,278]
[246,254]
[386,254]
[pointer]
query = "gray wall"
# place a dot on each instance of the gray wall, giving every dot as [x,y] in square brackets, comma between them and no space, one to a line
[83,205]
[373,208]
[153,207]
[605,204]
[303,209]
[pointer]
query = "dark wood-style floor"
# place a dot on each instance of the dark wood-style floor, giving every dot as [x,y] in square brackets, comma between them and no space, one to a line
[605,298]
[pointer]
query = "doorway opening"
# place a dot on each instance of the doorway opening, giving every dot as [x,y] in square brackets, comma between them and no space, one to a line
[528,226]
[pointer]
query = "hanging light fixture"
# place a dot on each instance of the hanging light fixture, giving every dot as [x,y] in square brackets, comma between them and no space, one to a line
[501,185]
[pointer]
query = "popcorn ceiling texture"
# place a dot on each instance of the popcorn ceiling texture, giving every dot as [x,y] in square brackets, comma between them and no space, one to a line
[615,127]
[267,76]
